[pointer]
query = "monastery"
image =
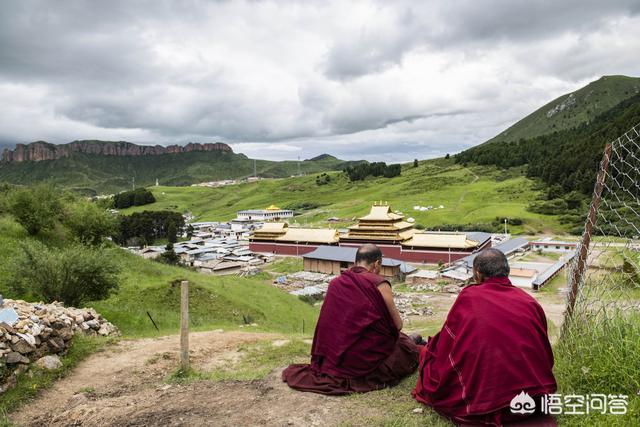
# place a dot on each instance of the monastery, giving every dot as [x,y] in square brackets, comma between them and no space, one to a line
[397,239]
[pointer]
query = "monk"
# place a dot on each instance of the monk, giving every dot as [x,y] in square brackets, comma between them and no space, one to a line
[357,346]
[492,347]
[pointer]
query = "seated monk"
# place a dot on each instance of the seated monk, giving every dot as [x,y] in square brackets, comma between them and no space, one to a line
[357,345]
[492,347]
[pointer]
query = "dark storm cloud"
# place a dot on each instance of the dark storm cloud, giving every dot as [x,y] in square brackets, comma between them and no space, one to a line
[364,79]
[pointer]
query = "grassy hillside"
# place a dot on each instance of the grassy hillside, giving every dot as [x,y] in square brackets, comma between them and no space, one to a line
[573,109]
[108,174]
[469,195]
[215,301]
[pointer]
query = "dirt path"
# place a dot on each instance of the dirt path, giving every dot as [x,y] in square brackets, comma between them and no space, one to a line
[124,386]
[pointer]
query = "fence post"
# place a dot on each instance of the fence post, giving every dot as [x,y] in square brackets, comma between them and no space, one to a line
[184,325]
[581,262]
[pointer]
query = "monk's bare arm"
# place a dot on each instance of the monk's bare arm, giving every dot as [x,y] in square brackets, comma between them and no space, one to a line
[387,295]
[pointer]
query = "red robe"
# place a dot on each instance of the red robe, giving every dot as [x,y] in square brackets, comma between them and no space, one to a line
[356,346]
[493,345]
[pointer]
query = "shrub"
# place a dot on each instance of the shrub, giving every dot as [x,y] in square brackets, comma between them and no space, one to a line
[88,223]
[35,208]
[137,197]
[74,275]
[169,256]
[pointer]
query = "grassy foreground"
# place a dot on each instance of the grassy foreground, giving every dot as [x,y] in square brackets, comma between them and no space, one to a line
[470,195]
[148,288]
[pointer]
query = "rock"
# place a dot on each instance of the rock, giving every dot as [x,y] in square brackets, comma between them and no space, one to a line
[93,324]
[15,357]
[49,363]
[22,346]
[418,411]
[65,333]
[452,289]
[56,344]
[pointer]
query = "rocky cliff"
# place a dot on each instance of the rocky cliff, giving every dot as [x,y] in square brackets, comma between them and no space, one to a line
[41,150]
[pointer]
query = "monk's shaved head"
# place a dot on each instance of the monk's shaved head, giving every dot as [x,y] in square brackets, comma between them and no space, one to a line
[491,263]
[368,254]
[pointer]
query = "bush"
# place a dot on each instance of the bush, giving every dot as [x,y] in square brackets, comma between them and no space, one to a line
[88,223]
[363,170]
[147,226]
[137,197]
[35,208]
[169,256]
[74,275]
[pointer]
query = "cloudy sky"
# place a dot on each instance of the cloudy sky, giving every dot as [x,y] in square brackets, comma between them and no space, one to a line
[381,80]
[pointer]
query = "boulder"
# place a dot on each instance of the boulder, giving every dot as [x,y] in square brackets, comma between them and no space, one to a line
[49,362]
[22,346]
[15,357]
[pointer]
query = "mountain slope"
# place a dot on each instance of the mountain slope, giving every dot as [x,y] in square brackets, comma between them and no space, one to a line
[94,173]
[567,158]
[573,109]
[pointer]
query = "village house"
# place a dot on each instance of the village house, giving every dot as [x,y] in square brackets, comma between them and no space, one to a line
[335,259]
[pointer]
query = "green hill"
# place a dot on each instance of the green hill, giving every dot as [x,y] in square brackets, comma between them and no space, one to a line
[573,109]
[469,195]
[93,173]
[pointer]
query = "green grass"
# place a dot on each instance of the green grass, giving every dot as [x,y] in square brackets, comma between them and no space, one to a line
[286,265]
[394,407]
[601,356]
[31,382]
[256,362]
[469,195]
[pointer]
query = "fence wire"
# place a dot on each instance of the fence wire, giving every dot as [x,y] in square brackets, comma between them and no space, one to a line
[607,279]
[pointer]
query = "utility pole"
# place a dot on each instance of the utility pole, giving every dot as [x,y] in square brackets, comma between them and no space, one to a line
[299,173]
[505,226]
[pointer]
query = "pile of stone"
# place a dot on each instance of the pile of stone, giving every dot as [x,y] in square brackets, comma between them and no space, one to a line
[301,280]
[30,331]
[410,304]
[451,288]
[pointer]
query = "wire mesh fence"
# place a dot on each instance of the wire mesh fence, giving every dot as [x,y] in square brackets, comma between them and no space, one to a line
[605,274]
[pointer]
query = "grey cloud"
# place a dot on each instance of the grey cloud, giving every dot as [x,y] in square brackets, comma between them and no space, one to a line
[379,79]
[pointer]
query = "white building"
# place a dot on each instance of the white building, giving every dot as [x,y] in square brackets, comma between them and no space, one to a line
[272,213]
[553,246]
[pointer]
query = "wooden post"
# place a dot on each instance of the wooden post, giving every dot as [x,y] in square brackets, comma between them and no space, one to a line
[581,263]
[184,325]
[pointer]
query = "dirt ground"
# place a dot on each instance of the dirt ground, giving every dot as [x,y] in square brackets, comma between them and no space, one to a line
[125,385]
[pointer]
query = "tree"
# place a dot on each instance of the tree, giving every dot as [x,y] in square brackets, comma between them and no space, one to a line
[447,156]
[75,274]
[415,163]
[36,208]
[89,223]
[171,232]
[169,255]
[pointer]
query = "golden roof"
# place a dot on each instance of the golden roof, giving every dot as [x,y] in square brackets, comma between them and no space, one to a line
[311,235]
[273,208]
[381,213]
[273,227]
[444,240]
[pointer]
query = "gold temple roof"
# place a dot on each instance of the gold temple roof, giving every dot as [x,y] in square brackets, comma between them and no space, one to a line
[443,240]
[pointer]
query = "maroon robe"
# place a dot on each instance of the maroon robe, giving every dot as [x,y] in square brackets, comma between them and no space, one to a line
[493,346]
[356,346]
